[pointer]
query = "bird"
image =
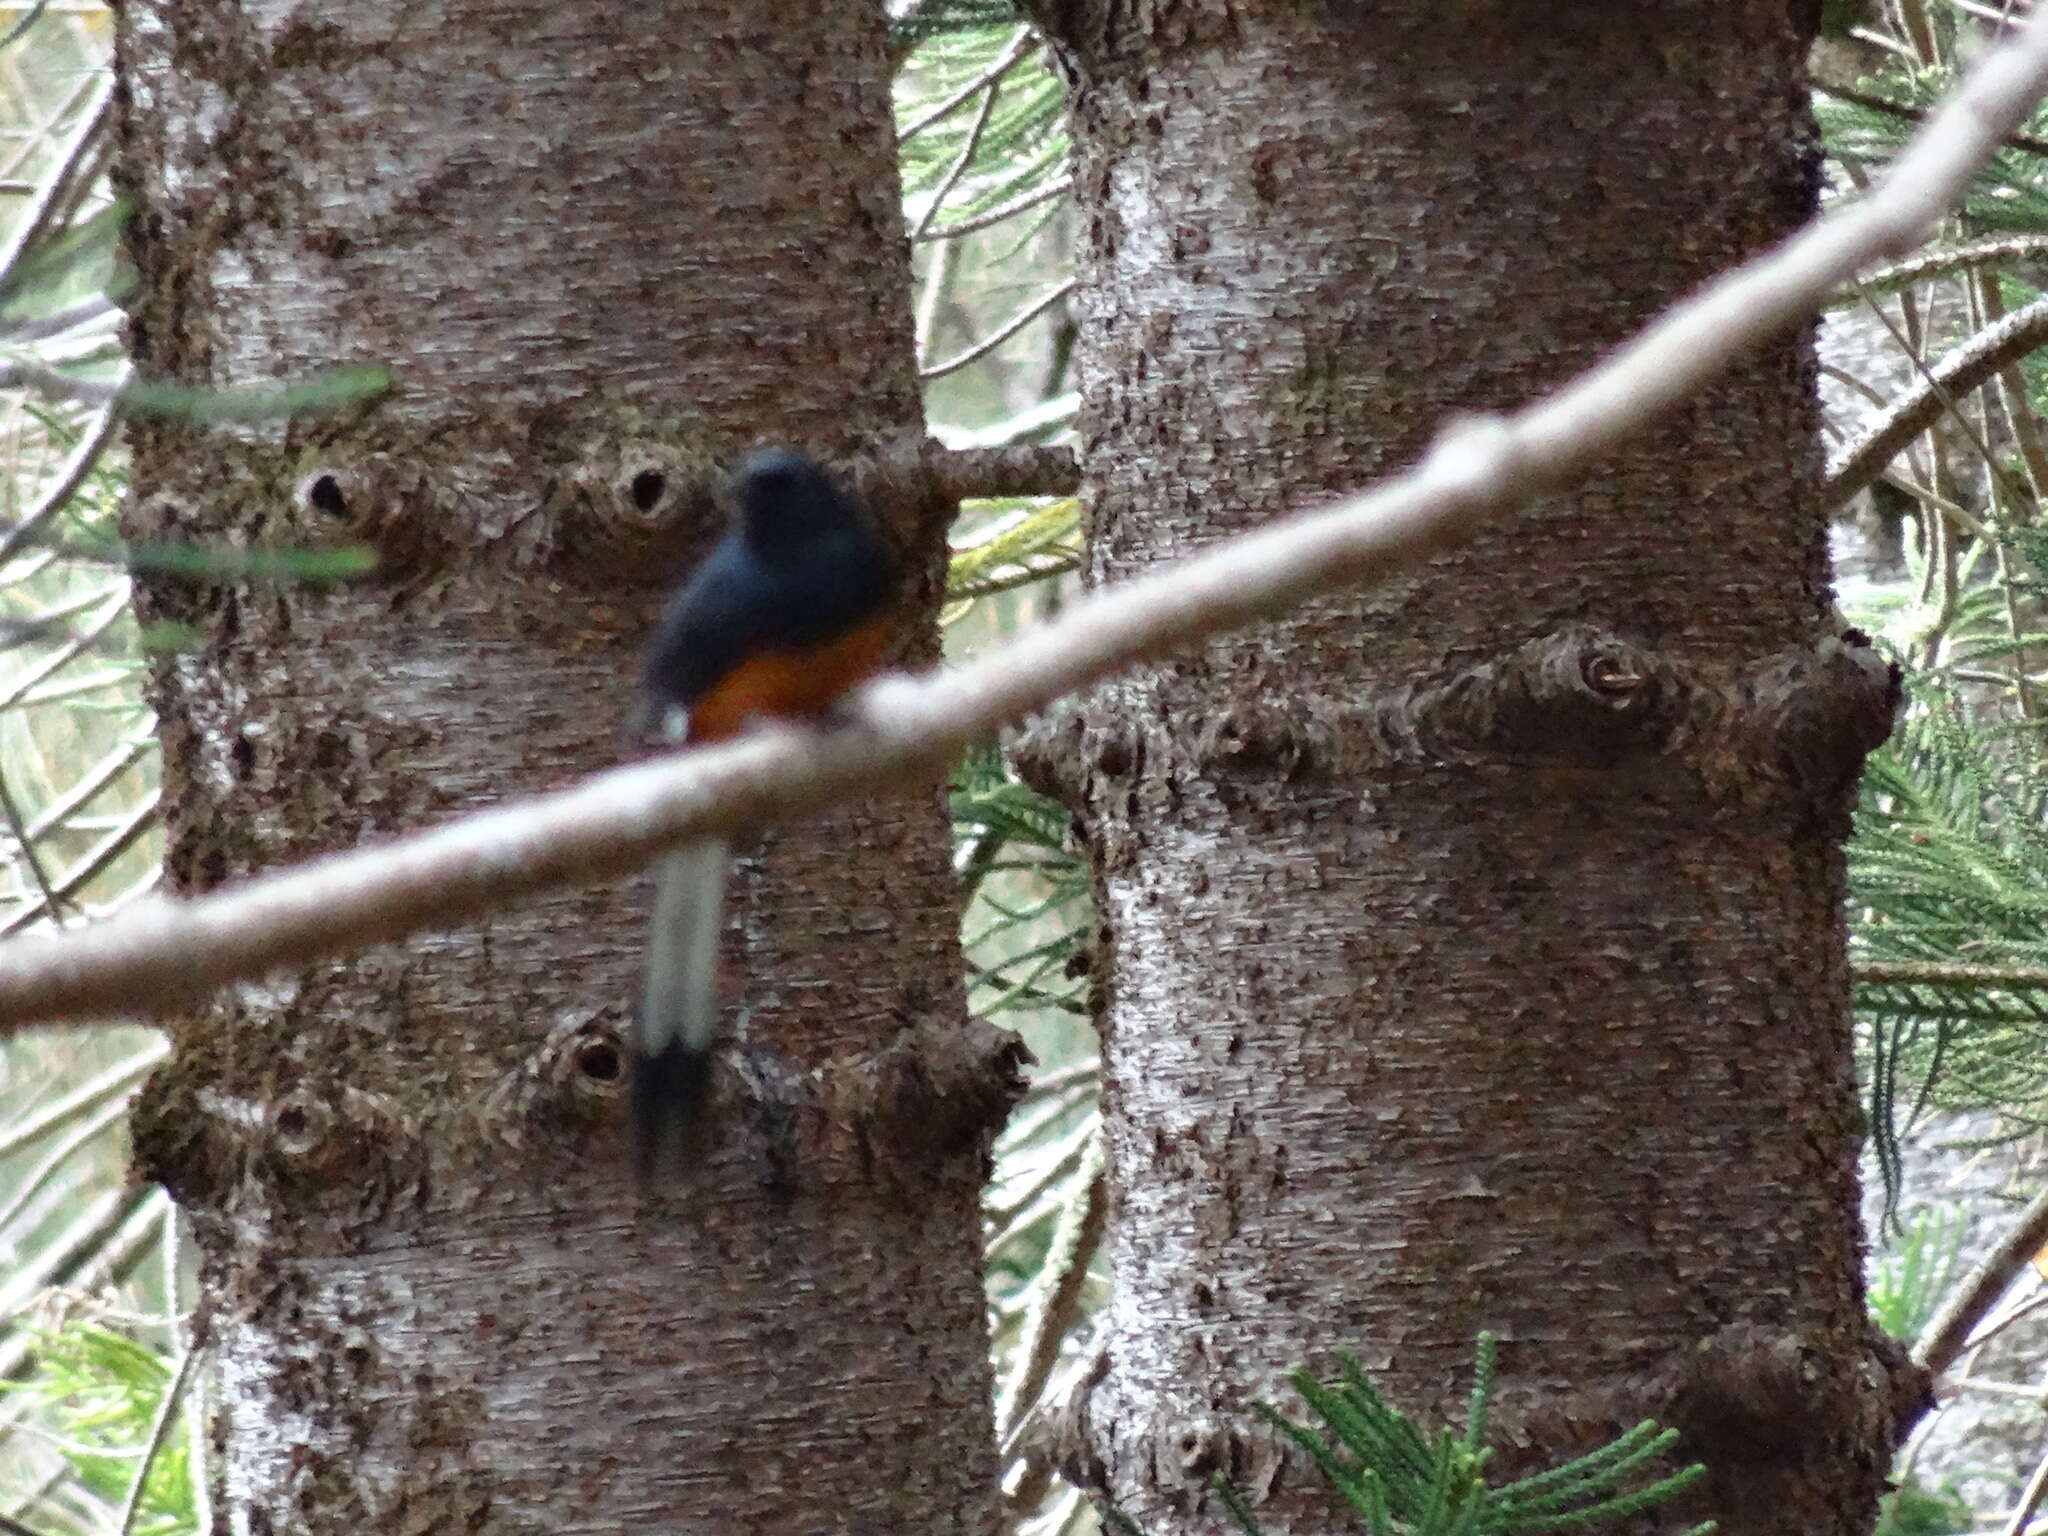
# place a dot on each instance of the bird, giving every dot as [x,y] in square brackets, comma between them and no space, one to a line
[790,610]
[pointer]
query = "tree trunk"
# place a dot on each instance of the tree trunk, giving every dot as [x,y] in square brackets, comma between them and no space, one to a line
[604,249]
[1475,942]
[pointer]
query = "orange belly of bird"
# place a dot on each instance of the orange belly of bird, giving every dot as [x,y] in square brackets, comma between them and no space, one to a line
[789,684]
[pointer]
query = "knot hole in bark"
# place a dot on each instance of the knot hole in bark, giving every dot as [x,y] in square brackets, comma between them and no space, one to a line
[648,489]
[935,1091]
[1753,1402]
[575,1078]
[641,494]
[1577,696]
[323,1140]
[1180,1460]
[624,497]
[1796,724]
[1827,709]
[341,504]
[324,495]
[1051,754]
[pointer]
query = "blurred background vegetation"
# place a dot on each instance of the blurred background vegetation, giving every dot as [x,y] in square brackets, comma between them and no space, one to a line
[1935,399]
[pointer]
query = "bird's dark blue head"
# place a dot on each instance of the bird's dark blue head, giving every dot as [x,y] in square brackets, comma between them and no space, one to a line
[786,499]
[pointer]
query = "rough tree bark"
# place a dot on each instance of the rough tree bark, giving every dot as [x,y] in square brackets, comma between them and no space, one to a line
[604,248]
[1473,947]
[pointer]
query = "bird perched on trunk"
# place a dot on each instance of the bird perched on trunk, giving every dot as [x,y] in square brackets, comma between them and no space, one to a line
[789,610]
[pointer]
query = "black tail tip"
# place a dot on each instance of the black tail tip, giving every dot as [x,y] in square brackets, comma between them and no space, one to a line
[671,1089]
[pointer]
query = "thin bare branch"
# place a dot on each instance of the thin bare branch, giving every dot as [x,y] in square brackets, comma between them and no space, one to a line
[96,860]
[114,607]
[2030,1500]
[1020,469]
[2012,391]
[16,333]
[2003,1319]
[1908,113]
[1056,1306]
[90,785]
[54,385]
[1041,420]
[1021,46]
[31,855]
[2024,428]
[1939,388]
[1948,1332]
[161,954]
[88,1132]
[60,193]
[1932,501]
[159,1428]
[2007,17]
[1939,263]
[1000,334]
[938,282]
[1023,203]
[114,1083]
[1008,1218]
[1962,370]
[962,158]
[91,444]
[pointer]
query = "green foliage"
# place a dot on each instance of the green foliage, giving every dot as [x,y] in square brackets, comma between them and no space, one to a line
[335,390]
[984,153]
[1945,866]
[78,778]
[71,262]
[1399,1480]
[1907,1282]
[106,1392]
[927,21]
[205,562]
[1912,1509]
[1949,864]
[1949,875]
[1032,543]
[984,150]
[1024,930]
[1950,858]
[1002,139]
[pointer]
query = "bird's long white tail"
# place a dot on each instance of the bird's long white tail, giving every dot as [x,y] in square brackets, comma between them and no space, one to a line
[678,1025]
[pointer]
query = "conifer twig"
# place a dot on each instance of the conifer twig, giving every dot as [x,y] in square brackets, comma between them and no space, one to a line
[1022,45]
[1057,1304]
[1947,973]
[2001,252]
[1022,203]
[963,158]
[1965,368]
[1907,112]
[2029,1501]
[161,954]
[976,351]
